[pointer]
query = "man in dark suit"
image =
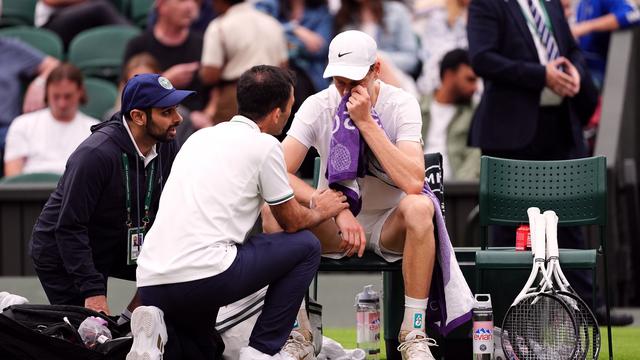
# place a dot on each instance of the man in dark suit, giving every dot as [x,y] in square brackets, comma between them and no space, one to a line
[533,71]
[538,93]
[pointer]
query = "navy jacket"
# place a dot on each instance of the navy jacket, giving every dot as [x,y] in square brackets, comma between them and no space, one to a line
[83,224]
[503,53]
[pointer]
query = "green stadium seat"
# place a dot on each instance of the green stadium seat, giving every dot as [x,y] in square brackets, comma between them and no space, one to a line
[34,178]
[139,11]
[17,12]
[101,96]
[122,6]
[99,51]
[42,39]
[575,189]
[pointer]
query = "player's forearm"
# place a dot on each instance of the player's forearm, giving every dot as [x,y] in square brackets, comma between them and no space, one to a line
[405,172]
[301,190]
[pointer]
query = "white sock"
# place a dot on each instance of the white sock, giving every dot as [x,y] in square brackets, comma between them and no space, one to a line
[414,314]
[124,317]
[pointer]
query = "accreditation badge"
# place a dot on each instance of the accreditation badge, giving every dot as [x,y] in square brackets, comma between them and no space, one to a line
[135,239]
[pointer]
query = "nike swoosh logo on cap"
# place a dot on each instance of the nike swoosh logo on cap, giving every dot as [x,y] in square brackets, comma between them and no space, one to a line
[343,54]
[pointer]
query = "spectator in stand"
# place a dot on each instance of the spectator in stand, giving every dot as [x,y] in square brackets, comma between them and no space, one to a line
[389,24]
[308,27]
[238,39]
[41,141]
[20,62]
[68,18]
[178,51]
[441,30]
[446,117]
[595,20]
[205,15]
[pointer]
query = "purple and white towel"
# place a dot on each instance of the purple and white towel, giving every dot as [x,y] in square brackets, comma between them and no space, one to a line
[450,299]
[346,160]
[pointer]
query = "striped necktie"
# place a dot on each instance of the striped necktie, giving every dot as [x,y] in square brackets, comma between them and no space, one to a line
[545,35]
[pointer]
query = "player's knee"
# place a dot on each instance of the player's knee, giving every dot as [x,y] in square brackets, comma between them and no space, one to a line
[417,210]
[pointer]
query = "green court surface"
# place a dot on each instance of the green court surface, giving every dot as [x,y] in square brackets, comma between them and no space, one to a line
[626,341]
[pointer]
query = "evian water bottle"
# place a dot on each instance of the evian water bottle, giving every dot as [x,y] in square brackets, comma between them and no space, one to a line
[368,322]
[483,328]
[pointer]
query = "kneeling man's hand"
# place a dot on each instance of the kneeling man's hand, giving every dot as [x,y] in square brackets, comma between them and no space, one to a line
[97,303]
[328,203]
[352,234]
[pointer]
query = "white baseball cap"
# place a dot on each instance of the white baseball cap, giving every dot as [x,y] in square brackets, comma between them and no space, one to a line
[351,54]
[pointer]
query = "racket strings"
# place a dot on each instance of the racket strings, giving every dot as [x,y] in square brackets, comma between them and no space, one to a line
[589,333]
[541,328]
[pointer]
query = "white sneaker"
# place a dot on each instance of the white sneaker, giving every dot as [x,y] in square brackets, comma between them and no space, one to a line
[149,334]
[249,353]
[416,346]
[298,348]
[7,299]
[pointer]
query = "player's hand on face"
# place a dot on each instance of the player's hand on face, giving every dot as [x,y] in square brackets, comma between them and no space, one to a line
[328,202]
[359,105]
[97,303]
[352,234]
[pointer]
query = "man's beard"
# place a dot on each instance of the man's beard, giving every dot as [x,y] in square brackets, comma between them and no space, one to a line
[157,134]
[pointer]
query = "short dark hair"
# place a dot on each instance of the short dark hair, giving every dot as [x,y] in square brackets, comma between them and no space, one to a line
[262,89]
[452,60]
[66,71]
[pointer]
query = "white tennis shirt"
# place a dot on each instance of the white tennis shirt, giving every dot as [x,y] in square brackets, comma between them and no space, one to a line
[218,183]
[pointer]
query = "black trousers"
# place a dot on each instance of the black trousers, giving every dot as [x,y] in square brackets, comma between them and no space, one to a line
[73,19]
[553,141]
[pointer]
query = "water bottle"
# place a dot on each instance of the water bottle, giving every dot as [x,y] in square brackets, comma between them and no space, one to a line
[94,331]
[482,328]
[368,322]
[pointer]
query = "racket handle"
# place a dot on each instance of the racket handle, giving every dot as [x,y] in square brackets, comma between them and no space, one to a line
[551,221]
[538,236]
[532,212]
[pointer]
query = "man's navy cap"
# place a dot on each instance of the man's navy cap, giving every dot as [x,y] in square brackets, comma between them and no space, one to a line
[146,91]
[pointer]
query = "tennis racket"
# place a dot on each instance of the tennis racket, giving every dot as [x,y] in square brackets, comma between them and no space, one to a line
[539,325]
[589,332]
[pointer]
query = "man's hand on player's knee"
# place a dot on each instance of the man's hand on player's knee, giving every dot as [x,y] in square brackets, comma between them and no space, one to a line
[352,233]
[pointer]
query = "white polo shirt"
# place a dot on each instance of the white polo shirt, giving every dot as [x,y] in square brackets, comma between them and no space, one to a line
[400,116]
[211,200]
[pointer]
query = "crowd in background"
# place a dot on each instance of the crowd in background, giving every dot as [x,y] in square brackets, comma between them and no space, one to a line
[205,45]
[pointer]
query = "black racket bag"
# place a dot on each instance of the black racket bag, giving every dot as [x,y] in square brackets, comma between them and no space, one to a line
[49,332]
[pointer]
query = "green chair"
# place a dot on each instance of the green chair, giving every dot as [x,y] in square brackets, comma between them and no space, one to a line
[101,96]
[33,178]
[42,39]
[99,51]
[139,11]
[17,12]
[575,189]
[122,6]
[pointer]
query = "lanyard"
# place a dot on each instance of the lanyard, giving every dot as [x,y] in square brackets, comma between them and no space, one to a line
[127,187]
[545,17]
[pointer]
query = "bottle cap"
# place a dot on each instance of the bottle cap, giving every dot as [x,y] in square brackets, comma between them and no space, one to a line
[368,294]
[483,302]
